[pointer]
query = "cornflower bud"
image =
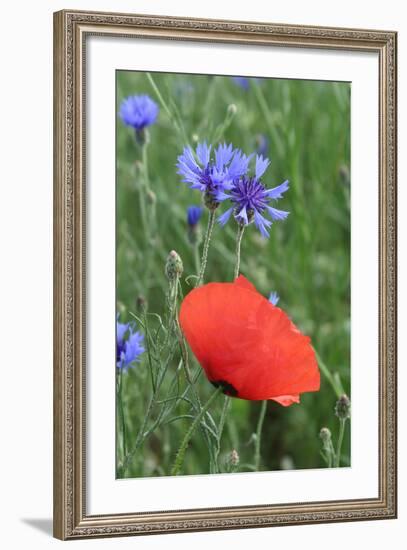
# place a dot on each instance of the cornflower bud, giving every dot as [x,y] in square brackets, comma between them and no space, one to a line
[173,266]
[233,458]
[342,407]
[326,436]
[232,109]
[141,302]
[151,197]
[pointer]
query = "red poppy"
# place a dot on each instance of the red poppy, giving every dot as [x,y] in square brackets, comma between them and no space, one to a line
[246,344]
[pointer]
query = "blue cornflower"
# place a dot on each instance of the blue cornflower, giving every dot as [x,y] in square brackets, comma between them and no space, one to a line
[244,81]
[250,199]
[139,111]
[274,298]
[183,88]
[128,350]
[262,144]
[194,214]
[212,176]
[241,81]
[121,330]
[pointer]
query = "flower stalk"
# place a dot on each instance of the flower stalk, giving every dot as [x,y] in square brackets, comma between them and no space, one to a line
[208,235]
[121,408]
[342,423]
[342,411]
[260,422]
[179,459]
[327,446]
[239,238]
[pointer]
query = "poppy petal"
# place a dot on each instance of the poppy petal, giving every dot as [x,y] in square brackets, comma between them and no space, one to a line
[286,400]
[246,344]
[244,283]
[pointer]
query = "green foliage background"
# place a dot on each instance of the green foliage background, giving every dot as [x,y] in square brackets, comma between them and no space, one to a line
[306,260]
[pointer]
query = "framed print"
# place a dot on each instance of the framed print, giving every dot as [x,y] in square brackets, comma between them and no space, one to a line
[225,274]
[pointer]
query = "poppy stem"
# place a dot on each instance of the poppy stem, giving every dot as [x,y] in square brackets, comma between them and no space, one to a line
[342,423]
[239,237]
[179,459]
[209,229]
[258,435]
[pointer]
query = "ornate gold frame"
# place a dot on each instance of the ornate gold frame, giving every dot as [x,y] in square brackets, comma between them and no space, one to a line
[70,31]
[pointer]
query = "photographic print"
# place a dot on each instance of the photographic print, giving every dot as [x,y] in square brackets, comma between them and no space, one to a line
[225,351]
[232,274]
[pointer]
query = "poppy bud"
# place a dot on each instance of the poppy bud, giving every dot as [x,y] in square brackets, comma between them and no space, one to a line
[342,407]
[173,267]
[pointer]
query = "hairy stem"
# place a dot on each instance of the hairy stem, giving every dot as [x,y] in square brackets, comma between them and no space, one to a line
[226,405]
[197,259]
[331,378]
[123,421]
[239,237]
[342,423]
[179,459]
[209,229]
[173,118]
[260,422]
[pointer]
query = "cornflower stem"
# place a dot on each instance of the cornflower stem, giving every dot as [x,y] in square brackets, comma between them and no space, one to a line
[225,408]
[329,461]
[221,129]
[172,297]
[204,260]
[239,237]
[144,160]
[173,324]
[148,225]
[331,454]
[327,373]
[197,259]
[259,429]
[178,126]
[143,206]
[147,335]
[207,105]
[179,459]
[270,120]
[121,408]
[172,305]
[129,457]
[185,362]
[342,424]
